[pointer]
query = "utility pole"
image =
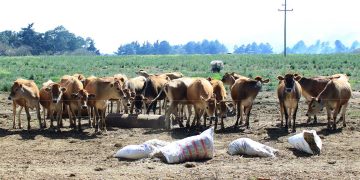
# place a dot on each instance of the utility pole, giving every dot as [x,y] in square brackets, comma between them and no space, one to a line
[285,10]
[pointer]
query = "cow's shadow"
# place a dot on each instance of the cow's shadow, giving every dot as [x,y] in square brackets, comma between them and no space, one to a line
[49,133]
[326,132]
[276,133]
[298,153]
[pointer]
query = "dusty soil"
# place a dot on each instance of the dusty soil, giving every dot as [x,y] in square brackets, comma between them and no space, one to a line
[69,154]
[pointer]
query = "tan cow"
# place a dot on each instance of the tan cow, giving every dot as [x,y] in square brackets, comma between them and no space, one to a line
[228,78]
[25,93]
[289,94]
[136,86]
[201,95]
[335,96]
[176,93]
[80,77]
[171,75]
[153,86]
[311,87]
[72,102]
[120,102]
[103,89]
[220,94]
[51,99]
[243,93]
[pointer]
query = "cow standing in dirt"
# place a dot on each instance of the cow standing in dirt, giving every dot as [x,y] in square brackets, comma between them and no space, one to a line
[73,100]
[220,94]
[243,93]
[311,87]
[136,86]
[52,101]
[153,86]
[201,95]
[335,96]
[289,94]
[25,93]
[101,90]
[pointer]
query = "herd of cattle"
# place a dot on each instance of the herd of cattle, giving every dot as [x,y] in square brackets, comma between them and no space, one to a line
[76,94]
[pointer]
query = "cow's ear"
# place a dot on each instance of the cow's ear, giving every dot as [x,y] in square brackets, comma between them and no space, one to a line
[280,78]
[258,78]
[111,84]
[63,89]
[48,89]
[209,78]
[297,77]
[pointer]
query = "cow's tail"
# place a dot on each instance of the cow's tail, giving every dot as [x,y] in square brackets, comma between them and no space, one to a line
[165,88]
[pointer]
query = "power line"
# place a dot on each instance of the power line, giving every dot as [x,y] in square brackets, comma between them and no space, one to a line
[285,10]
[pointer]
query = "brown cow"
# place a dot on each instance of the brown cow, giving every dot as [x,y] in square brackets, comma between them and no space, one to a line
[335,96]
[311,87]
[153,86]
[120,102]
[201,95]
[220,94]
[228,78]
[51,99]
[289,94]
[176,93]
[243,93]
[25,93]
[71,99]
[136,86]
[103,89]
[80,77]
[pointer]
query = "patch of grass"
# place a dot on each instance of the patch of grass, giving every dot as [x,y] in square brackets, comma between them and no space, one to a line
[43,68]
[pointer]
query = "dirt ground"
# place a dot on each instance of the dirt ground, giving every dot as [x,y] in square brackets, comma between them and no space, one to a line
[69,154]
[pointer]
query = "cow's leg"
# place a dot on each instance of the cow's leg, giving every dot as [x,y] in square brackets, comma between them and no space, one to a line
[153,106]
[159,107]
[315,119]
[19,116]
[204,117]
[328,110]
[343,112]
[103,121]
[58,118]
[282,114]
[39,116]
[286,116]
[14,115]
[96,119]
[216,119]
[28,116]
[89,113]
[79,118]
[132,107]
[168,121]
[290,110]
[239,113]
[248,110]
[336,111]
[195,116]
[51,117]
[294,118]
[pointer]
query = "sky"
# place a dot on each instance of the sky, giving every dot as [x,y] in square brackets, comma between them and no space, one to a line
[233,22]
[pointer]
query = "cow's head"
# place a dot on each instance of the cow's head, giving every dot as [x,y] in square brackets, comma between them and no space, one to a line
[117,86]
[15,88]
[260,79]
[228,78]
[83,97]
[56,92]
[315,106]
[221,105]
[289,81]
[210,106]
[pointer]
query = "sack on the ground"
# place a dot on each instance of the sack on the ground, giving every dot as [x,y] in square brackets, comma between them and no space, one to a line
[307,141]
[246,146]
[135,151]
[189,149]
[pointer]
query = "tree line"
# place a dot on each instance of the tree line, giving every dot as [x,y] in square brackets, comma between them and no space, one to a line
[53,42]
[60,41]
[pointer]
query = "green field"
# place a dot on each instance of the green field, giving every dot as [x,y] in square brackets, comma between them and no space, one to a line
[42,68]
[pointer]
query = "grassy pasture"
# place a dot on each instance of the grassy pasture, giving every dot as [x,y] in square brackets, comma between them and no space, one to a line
[42,68]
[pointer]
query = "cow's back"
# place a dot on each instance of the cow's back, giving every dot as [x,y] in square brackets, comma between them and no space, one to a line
[199,88]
